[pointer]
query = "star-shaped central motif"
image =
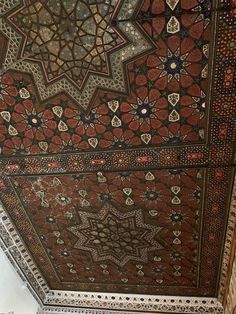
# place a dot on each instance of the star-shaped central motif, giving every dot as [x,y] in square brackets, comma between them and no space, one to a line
[69,37]
[74,47]
[115,236]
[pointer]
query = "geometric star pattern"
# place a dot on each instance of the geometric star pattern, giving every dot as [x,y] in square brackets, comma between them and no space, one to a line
[167,103]
[107,228]
[112,235]
[147,151]
[69,38]
[73,47]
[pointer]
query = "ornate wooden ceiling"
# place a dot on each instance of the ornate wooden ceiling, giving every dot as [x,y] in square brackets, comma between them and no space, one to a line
[117,138]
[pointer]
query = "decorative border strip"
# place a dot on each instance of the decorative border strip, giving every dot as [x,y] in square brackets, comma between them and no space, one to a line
[229,245]
[140,304]
[134,302]
[130,159]
[231,295]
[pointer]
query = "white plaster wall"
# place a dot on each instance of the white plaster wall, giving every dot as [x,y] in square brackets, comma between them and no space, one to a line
[12,296]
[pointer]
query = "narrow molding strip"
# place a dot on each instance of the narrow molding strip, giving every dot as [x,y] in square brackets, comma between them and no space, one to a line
[230,306]
[229,249]
[149,304]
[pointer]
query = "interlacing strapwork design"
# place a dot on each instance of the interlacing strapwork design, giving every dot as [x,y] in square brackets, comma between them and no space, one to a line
[74,47]
[115,236]
[70,37]
[117,137]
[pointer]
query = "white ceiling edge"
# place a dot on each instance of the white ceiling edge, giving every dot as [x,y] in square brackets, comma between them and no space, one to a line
[14,295]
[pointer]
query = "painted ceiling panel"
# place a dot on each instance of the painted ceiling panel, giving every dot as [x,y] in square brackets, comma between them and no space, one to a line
[117,141]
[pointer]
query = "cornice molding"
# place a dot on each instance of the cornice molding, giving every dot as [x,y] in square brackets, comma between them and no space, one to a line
[229,249]
[230,301]
[149,304]
[127,302]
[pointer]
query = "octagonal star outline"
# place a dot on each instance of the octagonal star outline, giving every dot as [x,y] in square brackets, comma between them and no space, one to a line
[84,98]
[149,234]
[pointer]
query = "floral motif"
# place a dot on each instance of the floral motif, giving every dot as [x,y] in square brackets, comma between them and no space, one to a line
[179,64]
[144,115]
[37,126]
[153,195]
[94,123]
